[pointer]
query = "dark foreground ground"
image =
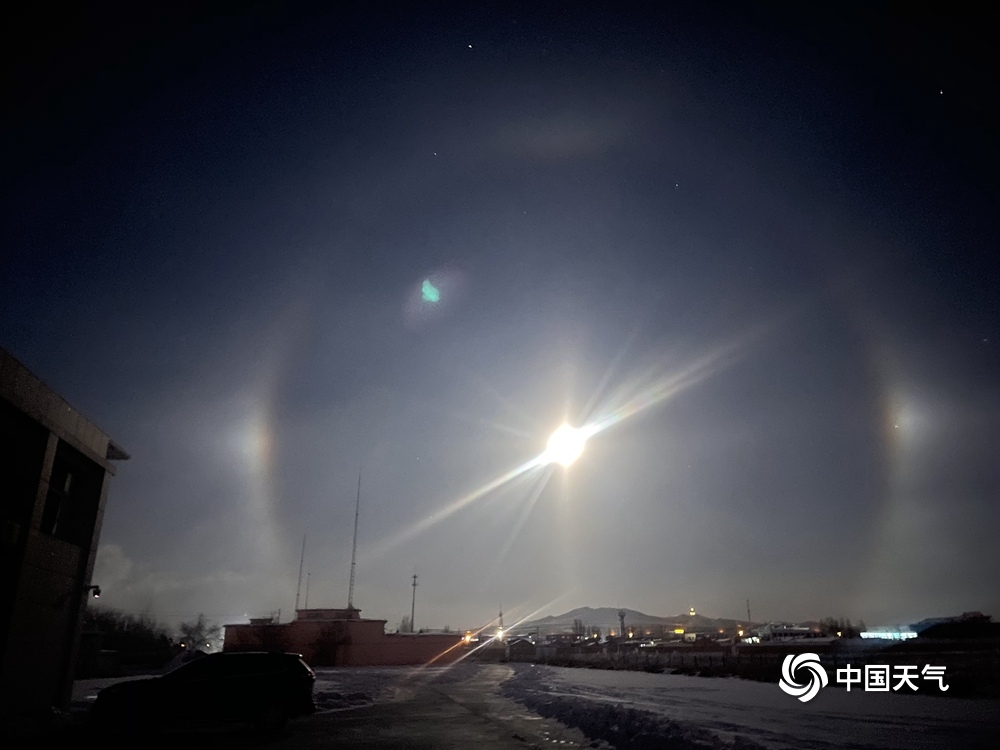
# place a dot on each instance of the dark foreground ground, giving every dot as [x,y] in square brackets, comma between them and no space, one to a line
[536,706]
[459,709]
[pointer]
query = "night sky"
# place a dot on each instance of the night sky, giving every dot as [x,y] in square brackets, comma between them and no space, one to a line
[268,248]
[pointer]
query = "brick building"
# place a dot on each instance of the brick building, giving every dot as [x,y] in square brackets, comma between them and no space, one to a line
[340,638]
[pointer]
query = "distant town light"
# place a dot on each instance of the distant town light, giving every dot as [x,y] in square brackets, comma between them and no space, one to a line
[889,635]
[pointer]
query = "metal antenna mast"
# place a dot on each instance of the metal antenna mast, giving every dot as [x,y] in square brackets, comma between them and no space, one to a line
[354,549]
[302,559]
[413,605]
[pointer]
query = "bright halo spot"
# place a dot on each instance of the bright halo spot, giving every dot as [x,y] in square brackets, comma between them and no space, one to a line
[565,445]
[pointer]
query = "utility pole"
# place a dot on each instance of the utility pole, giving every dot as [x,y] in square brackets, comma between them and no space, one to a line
[302,559]
[413,605]
[748,614]
[354,549]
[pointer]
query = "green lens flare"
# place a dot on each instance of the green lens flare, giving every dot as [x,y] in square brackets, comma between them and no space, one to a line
[430,292]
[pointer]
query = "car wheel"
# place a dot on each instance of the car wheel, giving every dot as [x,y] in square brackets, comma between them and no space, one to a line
[271,718]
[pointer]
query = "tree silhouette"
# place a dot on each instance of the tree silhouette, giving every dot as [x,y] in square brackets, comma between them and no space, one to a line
[201,634]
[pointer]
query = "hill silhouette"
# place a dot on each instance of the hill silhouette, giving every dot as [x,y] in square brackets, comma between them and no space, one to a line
[607,617]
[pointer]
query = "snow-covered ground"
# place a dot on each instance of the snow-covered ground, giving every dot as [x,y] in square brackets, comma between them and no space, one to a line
[340,688]
[639,709]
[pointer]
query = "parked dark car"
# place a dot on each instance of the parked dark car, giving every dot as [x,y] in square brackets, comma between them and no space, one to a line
[265,689]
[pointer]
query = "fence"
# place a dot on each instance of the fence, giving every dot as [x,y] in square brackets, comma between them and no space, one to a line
[655,660]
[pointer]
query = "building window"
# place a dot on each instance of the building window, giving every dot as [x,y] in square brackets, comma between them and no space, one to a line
[74,495]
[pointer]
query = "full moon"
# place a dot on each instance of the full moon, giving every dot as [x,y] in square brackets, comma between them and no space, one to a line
[565,445]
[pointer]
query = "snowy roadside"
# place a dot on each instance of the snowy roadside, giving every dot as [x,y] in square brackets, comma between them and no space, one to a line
[342,688]
[642,710]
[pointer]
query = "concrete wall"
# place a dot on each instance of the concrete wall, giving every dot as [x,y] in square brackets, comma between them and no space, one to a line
[346,643]
[403,648]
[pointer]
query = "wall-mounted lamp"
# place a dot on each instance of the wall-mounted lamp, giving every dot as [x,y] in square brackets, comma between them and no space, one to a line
[63,600]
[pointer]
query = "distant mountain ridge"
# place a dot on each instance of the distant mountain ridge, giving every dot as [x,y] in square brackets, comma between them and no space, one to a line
[604,617]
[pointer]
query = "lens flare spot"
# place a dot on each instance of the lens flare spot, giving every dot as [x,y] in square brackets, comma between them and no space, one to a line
[429,292]
[434,296]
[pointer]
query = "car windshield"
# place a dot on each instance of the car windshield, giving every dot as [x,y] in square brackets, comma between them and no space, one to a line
[547,361]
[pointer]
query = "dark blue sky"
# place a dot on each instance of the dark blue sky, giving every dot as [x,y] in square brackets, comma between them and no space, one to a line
[766,241]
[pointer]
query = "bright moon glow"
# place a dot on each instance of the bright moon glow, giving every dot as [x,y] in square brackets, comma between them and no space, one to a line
[639,393]
[565,445]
